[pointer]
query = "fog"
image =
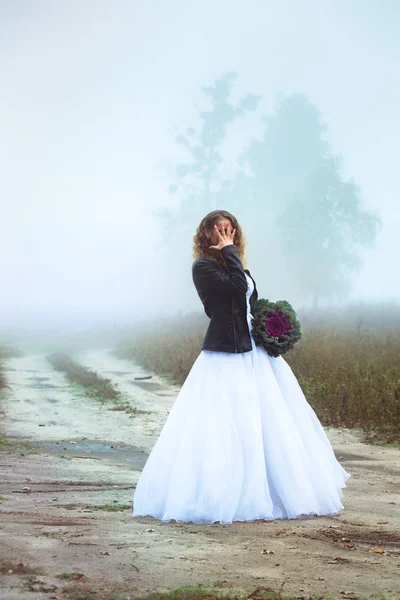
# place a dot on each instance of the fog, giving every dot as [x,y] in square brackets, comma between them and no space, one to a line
[91,94]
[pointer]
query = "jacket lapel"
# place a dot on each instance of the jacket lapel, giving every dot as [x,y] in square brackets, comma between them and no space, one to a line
[254,296]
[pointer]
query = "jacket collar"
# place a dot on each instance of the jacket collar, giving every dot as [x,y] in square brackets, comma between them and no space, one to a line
[224,266]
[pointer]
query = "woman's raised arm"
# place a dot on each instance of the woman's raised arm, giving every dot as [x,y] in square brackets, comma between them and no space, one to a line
[207,275]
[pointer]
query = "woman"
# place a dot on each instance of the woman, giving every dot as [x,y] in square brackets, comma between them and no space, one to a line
[241,441]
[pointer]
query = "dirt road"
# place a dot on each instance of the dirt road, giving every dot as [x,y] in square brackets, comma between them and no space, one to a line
[67,509]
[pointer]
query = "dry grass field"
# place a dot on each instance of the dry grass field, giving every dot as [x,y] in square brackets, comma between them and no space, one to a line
[347,362]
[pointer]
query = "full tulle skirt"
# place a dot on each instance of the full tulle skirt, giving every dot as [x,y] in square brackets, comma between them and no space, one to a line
[240,443]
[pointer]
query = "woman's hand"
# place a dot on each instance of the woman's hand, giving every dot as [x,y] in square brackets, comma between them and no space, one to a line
[225,235]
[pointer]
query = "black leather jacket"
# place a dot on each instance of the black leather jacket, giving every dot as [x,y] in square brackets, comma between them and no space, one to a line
[222,290]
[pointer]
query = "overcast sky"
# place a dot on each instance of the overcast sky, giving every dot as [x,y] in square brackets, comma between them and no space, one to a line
[90,93]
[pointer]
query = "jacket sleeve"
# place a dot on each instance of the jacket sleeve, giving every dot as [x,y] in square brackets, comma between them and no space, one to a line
[208,275]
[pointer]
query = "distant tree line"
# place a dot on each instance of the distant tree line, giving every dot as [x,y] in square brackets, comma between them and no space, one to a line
[304,221]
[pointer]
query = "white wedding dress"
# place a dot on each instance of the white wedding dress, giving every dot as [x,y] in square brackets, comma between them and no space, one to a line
[240,443]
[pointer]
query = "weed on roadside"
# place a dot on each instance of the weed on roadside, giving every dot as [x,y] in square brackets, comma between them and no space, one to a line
[71,576]
[87,592]
[91,383]
[10,567]
[33,584]
[199,592]
[13,446]
[113,507]
[128,408]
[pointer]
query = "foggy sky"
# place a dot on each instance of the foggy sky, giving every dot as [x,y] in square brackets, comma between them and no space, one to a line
[90,93]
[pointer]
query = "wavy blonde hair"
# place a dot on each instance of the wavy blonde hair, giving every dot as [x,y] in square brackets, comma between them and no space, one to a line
[206,225]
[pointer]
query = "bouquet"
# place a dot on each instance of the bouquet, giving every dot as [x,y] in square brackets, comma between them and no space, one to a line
[275,326]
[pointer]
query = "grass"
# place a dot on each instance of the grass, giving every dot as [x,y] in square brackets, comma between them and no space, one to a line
[53,535]
[9,351]
[6,444]
[3,382]
[70,576]
[87,592]
[167,347]
[33,584]
[352,379]
[347,362]
[377,442]
[113,507]
[92,384]
[16,446]
[18,568]
[129,409]
[200,592]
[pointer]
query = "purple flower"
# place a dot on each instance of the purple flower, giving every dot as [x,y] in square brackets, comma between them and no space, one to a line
[277,323]
[276,327]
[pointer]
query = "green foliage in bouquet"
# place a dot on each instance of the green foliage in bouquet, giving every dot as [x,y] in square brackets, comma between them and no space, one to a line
[275,326]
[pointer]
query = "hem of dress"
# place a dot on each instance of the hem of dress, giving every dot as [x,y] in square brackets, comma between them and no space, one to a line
[307,515]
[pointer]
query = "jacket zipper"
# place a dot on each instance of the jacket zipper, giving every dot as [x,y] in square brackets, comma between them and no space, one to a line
[234,332]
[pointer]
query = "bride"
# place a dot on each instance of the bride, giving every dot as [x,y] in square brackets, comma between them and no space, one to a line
[241,442]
